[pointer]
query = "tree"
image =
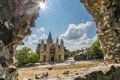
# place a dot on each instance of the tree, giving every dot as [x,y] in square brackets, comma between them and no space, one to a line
[25,55]
[94,51]
[32,57]
[25,50]
[21,57]
[66,53]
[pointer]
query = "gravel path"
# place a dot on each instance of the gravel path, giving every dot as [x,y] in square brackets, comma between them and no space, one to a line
[68,62]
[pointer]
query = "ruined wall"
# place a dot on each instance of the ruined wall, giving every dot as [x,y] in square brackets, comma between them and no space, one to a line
[101,72]
[110,72]
[16,19]
[106,14]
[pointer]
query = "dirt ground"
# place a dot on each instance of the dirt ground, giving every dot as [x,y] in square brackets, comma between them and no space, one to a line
[30,73]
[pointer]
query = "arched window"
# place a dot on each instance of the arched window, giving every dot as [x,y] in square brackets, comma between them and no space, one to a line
[52,50]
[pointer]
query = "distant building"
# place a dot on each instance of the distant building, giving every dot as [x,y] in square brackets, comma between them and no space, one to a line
[51,52]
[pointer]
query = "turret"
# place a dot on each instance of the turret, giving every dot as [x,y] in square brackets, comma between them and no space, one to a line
[57,42]
[42,46]
[62,49]
[38,48]
[42,42]
[62,44]
[49,40]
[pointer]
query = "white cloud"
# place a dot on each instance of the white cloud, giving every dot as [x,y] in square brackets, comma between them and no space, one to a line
[76,37]
[32,41]
[75,32]
[41,29]
[34,36]
[44,37]
[84,43]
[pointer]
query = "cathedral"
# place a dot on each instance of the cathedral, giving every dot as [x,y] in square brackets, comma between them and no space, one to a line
[51,52]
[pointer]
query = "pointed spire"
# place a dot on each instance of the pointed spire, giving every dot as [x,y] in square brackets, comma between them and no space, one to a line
[42,42]
[62,42]
[49,37]
[57,40]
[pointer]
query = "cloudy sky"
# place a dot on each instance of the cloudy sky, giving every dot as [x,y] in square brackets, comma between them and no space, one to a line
[66,19]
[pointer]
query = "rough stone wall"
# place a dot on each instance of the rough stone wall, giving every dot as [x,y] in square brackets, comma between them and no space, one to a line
[106,14]
[109,73]
[16,19]
[101,72]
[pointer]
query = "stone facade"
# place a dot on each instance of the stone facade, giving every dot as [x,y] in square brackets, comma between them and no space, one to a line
[51,52]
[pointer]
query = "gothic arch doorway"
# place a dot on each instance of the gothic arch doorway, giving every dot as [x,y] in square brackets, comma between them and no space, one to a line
[52,58]
[44,58]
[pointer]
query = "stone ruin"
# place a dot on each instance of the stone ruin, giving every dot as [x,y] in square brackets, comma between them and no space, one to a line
[18,16]
[106,14]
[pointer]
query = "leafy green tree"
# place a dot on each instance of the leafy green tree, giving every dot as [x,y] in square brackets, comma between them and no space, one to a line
[21,57]
[25,50]
[94,51]
[32,57]
[66,53]
[25,55]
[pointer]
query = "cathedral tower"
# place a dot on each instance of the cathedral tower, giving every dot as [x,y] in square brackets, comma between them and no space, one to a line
[41,50]
[62,49]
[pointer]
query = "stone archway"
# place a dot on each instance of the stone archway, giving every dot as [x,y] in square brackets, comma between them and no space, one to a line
[106,14]
[52,59]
